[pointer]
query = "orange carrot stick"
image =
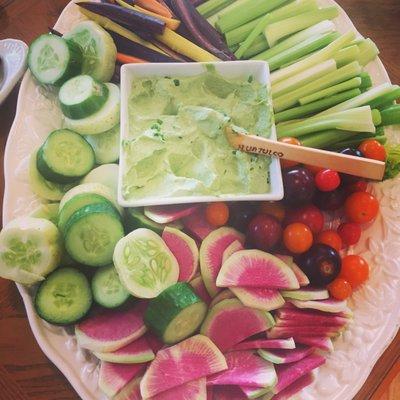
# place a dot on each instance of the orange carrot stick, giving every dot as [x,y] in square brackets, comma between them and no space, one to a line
[155,6]
[125,59]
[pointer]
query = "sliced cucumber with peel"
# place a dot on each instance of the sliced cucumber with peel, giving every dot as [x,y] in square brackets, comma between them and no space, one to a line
[145,264]
[30,248]
[64,157]
[107,288]
[47,211]
[176,313]
[53,60]
[106,174]
[91,234]
[82,96]
[102,120]
[64,297]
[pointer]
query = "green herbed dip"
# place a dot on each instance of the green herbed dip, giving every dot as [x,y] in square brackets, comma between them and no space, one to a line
[176,144]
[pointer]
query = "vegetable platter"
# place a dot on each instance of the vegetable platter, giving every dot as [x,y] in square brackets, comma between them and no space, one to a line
[376,305]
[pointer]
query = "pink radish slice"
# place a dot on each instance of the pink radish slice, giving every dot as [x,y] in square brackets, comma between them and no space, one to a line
[286,356]
[193,390]
[300,275]
[228,393]
[310,316]
[167,214]
[295,387]
[131,391]
[200,289]
[231,249]
[259,298]
[318,342]
[197,224]
[265,344]
[335,321]
[294,331]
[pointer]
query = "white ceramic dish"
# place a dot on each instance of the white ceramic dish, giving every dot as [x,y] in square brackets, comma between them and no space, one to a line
[376,306]
[258,69]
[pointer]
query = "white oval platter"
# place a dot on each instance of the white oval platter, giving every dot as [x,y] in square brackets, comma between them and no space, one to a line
[376,305]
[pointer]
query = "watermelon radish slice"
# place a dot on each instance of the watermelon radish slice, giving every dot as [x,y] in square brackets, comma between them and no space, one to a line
[265,344]
[114,377]
[193,390]
[228,393]
[322,342]
[294,388]
[253,392]
[311,317]
[260,298]
[330,305]
[200,289]
[211,252]
[306,294]
[289,373]
[110,330]
[286,356]
[278,332]
[185,250]
[131,391]
[229,322]
[225,294]
[210,393]
[339,322]
[245,368]
[154,342]
[300,275]
[167,214]
[232,248]
[255,268]
[188,360]
[136,352]
[197,224]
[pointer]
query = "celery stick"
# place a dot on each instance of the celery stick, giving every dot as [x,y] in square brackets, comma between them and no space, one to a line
[342,74]
[323,55]
[366,81]
[316,106]
[362,99]
[211,7]
[391,115]
[304,77]
[347,55]
[357,119]
[368,51]
[278,30]
[388,98]
[237,35]
[213,20]
[245,12]
[324,139]
[259,45]
[301,49]
[356,141]
[330,91]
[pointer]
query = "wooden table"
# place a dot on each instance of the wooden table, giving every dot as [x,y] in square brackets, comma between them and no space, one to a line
[25,373]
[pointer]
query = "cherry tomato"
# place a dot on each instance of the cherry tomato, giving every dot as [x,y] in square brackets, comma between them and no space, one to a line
[275,209]
[350,233]
[355,270]
[361,207]
[330,238]
[309,215]
[217,214]
[289,140]
[327,180]
[340,289]
[297,238]
[371,148]
[359,186]
[264,232]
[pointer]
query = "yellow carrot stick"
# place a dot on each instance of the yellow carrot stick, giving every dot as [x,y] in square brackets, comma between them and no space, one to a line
[155,6]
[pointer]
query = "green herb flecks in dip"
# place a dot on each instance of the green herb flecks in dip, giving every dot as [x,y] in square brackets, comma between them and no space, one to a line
[176,144]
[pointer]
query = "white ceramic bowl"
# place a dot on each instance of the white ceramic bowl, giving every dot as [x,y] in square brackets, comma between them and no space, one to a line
[234,69]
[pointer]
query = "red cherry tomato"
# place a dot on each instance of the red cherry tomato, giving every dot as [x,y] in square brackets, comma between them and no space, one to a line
[217,214]
[340,289]
[361,207]
[355,270]
[264,232]
[327,180]
[297,238]
[330,238]
[309,215]
[350,233]
[371,148]
[275,209]
[359,186]
[289,140]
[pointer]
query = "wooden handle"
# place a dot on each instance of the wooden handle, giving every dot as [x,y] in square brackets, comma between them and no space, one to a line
[358,166]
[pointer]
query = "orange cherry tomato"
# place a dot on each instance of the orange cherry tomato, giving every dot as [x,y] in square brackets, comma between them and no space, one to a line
[330,238]
[297,238]
[355,270]
[340,289]
[361,207]
[217,214]
[371,148]
[275,209]
[289,140]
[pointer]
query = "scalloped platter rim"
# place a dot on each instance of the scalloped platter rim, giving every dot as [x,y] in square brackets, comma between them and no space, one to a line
[376,306]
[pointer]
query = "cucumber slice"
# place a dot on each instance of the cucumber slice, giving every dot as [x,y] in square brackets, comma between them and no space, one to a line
[91,234]
[107,288]
[106,145]
[47,211]
[82,96]
[53,60]
[64,297]
[65,157]
[106,174]
[99,51]
[30,248]
[145,264]
[176,313]
[101,121]
[42,187]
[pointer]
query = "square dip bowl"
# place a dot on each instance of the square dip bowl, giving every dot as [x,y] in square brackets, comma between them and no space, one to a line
[257,70]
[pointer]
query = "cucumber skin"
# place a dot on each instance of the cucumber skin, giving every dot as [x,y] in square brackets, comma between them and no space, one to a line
[135,219]
[167,305]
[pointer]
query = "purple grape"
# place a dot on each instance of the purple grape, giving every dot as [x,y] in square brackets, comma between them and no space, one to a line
[330,201]
[298,184]
[264,232]
[241,215]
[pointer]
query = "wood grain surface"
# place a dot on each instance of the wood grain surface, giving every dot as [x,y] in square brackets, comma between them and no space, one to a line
[25,373]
